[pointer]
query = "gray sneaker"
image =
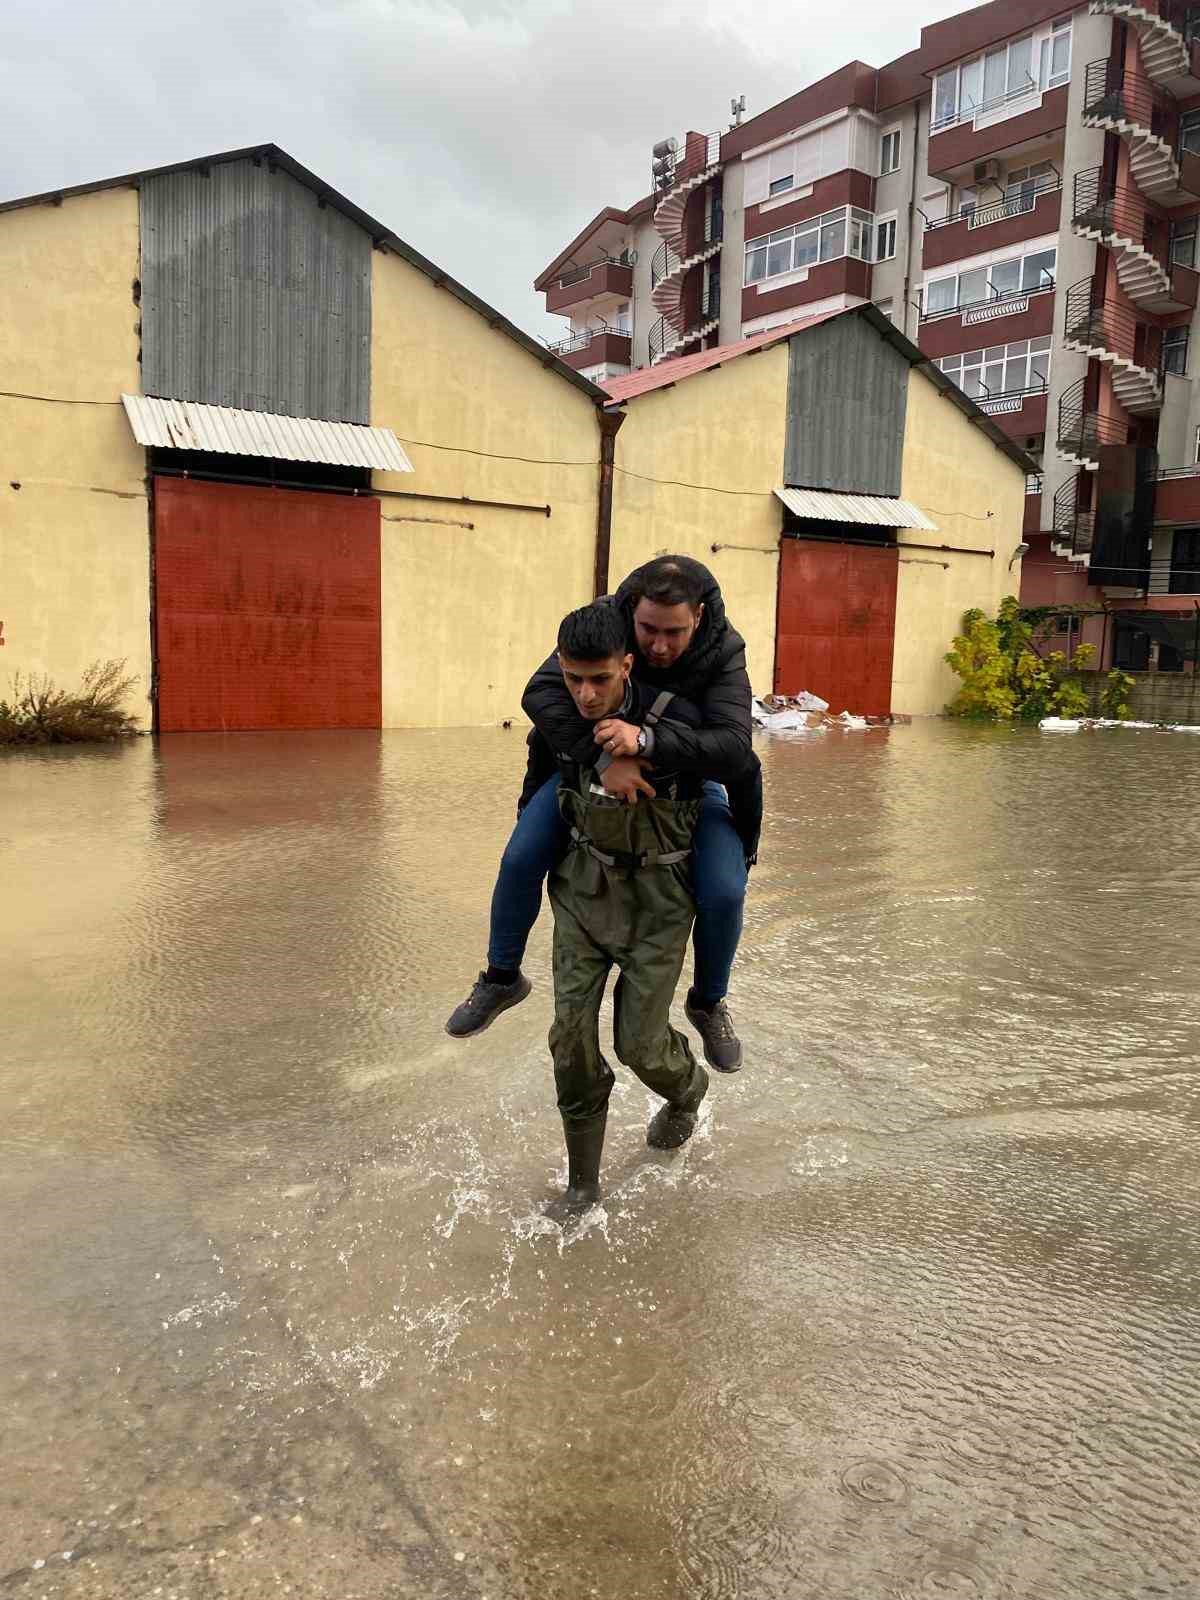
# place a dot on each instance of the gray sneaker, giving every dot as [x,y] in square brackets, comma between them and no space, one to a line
[722,1047]
[484,1004]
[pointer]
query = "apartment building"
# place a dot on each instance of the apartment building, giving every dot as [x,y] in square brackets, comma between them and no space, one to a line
[1020,195]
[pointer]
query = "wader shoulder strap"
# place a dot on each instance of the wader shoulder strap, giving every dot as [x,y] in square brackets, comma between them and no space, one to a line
[628,860]
[659,706]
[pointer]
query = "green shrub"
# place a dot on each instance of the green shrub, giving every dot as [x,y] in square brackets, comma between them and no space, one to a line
[1115,699]
[1004,676]
[41,713]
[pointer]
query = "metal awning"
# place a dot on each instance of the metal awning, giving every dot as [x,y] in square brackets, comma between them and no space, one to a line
[187,425]
[876,511]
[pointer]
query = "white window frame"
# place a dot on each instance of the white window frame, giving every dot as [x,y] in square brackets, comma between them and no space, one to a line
[889,139]
[1196,451]
[967,105]
[779,186]
[889,221]
[851,219]
[1018,354]
[988,267]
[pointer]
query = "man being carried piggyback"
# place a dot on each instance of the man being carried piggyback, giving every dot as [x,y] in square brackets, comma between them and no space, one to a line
[680,643]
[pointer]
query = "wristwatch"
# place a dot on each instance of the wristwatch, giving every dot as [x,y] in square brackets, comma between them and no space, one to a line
[641,741]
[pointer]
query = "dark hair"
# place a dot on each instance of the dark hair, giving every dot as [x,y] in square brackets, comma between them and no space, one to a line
[593,633]
[669,581]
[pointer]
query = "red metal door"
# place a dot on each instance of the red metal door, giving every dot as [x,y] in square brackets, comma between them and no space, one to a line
[266,608]
[836,625]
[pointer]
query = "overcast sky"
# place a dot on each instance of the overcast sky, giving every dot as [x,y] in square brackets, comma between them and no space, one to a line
[483,132]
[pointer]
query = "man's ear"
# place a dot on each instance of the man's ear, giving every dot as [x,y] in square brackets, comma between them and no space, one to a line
[626,664]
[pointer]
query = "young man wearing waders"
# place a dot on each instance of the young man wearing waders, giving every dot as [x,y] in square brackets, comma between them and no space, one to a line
[681,643]
[621,897]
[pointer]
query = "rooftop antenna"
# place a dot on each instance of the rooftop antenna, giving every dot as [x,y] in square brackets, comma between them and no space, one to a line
[738,108]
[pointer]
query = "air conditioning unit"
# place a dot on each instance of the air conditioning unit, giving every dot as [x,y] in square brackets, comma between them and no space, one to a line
[633,258]
[987,172]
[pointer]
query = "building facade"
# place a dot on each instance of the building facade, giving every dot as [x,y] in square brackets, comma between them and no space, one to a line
[1020,195]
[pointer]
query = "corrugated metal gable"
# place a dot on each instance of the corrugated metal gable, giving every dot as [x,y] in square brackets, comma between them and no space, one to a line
[255,294]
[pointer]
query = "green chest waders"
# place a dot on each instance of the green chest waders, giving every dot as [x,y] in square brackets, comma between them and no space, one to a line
[621,897]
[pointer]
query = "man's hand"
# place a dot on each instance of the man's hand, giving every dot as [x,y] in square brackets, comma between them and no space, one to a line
[623,779]
[616,737]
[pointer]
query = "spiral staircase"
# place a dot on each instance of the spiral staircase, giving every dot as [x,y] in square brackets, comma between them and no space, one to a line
[672,262]
[1164,38]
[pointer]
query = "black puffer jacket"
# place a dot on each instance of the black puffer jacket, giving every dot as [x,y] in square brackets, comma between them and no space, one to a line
[711,673]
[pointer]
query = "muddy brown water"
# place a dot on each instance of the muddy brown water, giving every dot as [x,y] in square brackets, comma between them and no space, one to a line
[914,1317]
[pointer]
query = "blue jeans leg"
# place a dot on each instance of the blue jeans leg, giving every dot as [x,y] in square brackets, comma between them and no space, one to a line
[719,879]
[535,844]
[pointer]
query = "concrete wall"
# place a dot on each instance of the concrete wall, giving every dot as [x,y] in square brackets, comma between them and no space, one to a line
[723,428]
[1155,696]
[74,547]
[976,496]
[469,612]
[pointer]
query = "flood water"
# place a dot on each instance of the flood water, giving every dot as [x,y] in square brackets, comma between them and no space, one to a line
[914,1317]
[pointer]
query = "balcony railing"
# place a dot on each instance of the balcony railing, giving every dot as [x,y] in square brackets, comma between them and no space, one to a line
[1002,400]
[1113,94]
[992,298]
[1034,483]
[581,340]
[578,274]
[1082,429]
[1098,324]
[664,262]
[1018,205]
[950,119]
[1100,205]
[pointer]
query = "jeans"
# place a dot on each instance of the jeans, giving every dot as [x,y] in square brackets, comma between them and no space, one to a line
[718,883]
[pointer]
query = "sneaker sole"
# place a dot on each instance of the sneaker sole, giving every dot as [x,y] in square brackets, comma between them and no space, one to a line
[715,1065]
[499,1011]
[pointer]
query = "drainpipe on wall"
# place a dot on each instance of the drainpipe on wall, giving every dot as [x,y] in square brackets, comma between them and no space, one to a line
[912,226]
[610,423]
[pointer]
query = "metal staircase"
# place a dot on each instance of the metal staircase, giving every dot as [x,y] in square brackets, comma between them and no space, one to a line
[1082,429]
[1073,528]
[1128,104]
[1111,333]
[1164,38]
[1120,219]
[669,269]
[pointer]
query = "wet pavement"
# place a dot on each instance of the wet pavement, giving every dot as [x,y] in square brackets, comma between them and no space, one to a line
[914,1317]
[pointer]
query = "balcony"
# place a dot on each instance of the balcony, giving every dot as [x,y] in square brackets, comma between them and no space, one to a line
[1140,240]
[1015,119]
[1167,33]
[1082,430]
[1033,504]
[1021,314]
[1129,105]
[1026,215]
[1020,413]
[595,347]
[1110,332]
[609,278]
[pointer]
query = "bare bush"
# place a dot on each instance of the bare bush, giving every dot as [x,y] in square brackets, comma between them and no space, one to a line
[41,713]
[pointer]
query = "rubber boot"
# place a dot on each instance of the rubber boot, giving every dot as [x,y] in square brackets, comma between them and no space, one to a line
[585,1143]
[672,1125]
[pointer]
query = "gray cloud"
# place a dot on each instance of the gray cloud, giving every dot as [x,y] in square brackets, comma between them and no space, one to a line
[485,132]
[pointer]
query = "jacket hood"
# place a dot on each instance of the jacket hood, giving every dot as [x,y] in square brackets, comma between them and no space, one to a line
[713,624]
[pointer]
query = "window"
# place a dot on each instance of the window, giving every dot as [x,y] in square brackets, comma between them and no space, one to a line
[1185,561]
[1002,74]
[1002,369]
[1017,275]
[885,240]
[1183,242]
[1196,452]
[1174,351]
[1037,270]
[1189,132]
[1056,55]
[1024,184]
[780,185]
[847,231]
[889,152]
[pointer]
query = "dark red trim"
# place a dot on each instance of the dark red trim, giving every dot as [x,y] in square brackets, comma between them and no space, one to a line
[1029,421]
[613,349]
[846,188]
[946,336]
[565,258]
[608,278]
[1178,500]
[944,43]
[1033,514]
[958,146]
[847,275]
[851,85]
[954,241]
